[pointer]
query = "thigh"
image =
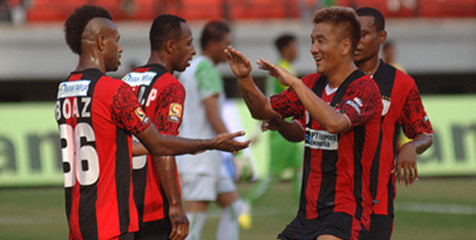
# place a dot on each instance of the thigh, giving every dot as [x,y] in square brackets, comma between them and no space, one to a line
[155,230]
[381,227]
[226,183]
[198,187]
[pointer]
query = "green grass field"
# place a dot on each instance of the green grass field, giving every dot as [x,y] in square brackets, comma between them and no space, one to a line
[432,209]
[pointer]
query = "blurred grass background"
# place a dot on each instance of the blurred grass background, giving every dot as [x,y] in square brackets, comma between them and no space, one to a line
[423,212]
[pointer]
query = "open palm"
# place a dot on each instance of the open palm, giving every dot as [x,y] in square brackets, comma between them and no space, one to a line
[239,64]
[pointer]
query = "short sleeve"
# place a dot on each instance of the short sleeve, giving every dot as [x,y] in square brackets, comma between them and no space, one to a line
[209,81]
[361,102]
[413,118]
[287,104]
[127,112]
[169,109]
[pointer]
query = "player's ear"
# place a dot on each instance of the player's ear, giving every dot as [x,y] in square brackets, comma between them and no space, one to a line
[382,36]
[101,42]
[170,46]
[346,46]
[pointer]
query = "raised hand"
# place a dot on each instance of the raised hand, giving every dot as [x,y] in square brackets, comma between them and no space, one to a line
[225,142]
[283,76]
[239,64]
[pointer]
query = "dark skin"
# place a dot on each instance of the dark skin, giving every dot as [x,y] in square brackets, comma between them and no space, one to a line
[367,59]
[174,55]
[101,50]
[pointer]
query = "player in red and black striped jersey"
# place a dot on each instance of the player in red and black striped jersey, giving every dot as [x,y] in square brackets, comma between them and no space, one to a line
[162,96]
[402,108]
[339,107]
[97,116]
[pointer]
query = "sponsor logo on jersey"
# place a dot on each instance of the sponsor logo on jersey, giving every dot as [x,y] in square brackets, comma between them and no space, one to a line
[73,89]
[175,112]
[321,139]
[136,79]
[355,104]
[141,115]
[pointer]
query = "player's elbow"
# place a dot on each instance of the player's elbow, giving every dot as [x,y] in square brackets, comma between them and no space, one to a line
[336,127]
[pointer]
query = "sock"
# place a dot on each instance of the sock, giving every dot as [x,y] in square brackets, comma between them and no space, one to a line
[197,220]
[228,228]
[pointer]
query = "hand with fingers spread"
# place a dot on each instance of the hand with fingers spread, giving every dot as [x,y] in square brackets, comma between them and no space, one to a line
[225,142]
[239,64]
[179,222]
[284,77]
[407,162]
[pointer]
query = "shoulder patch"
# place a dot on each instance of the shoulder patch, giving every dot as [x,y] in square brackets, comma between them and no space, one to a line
[175,112]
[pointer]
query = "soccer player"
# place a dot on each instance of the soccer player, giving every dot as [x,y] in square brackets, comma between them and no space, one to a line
[402,108]
[203,178]
[97,116]
[340,107]
[162,96]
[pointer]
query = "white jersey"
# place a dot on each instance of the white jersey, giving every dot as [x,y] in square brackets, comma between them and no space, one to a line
[201,80]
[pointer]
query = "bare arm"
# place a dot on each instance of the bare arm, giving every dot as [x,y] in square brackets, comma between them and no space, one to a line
[256,101]
[138,149]
[158,144]
[167,171]
[291,131]
[212,109]
[325,115]
[407,158]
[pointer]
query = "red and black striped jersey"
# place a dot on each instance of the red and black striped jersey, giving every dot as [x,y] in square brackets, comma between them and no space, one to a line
[403,109]
[337,166]
[97,116]
[162,96]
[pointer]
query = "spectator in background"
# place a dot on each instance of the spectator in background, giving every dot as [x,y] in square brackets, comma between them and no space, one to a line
[284,156]
[203,177]
[389,55]
[5,14]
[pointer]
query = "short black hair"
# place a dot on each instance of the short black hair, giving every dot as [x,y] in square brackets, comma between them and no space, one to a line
[283,41]
[379,20]
[343,17]
[77,21]
[213,30]
[164,28]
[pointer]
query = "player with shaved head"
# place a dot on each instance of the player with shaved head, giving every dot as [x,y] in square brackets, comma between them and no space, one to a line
[97,116]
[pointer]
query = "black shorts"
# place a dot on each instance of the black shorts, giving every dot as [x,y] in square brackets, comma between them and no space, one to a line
[381,227]
[156,230]
[336,224]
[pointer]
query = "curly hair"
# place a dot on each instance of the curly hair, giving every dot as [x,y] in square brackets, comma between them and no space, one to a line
[344,18]
[164,28]
[77,21]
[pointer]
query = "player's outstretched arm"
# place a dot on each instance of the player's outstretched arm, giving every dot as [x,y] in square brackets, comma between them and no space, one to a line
[407,158]
[291,131]
[326,116]
[158,144]
[256,101]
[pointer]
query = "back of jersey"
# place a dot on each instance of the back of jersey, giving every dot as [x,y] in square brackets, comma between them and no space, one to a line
[96,116]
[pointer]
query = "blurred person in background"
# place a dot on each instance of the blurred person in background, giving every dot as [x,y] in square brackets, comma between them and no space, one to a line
[162,96]
[389,55]
[97,116]
[284,156]
[203,176]
[339,107]
[402,107]
[5,13]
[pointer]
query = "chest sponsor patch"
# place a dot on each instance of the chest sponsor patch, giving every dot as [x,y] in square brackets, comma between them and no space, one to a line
[73,89]
[175,112]
[137,79]
[321,139]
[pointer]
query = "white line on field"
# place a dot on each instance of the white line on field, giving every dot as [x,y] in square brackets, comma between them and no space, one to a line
[400,206]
